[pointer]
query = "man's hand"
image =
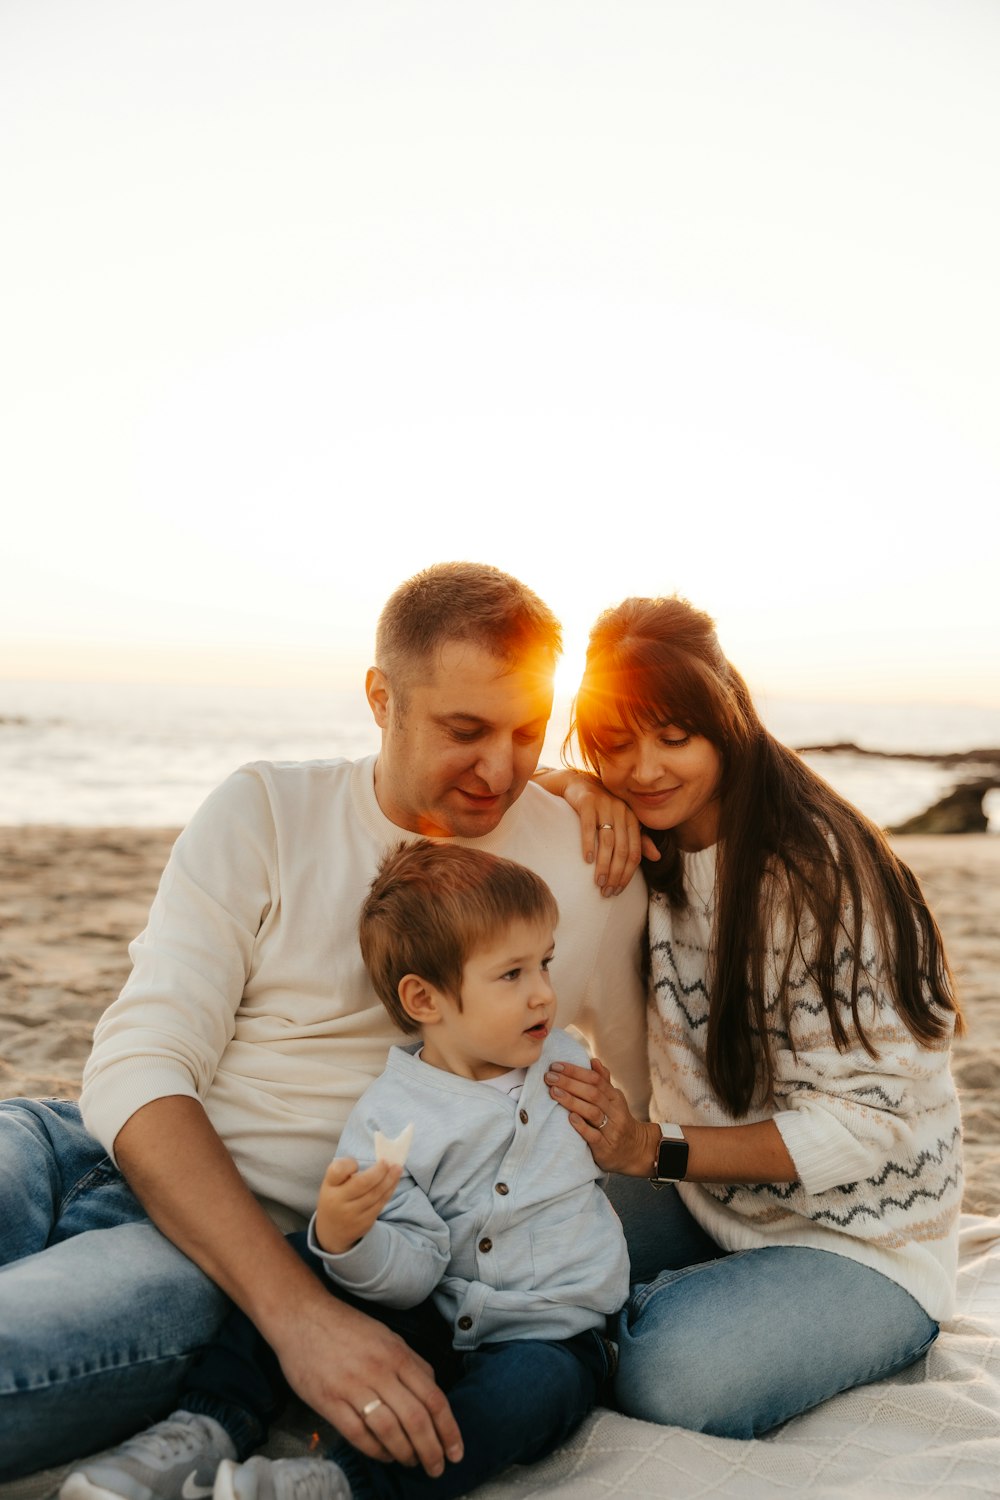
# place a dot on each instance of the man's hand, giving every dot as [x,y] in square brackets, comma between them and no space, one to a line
[350,1201]
[341,1361]
[336,1359]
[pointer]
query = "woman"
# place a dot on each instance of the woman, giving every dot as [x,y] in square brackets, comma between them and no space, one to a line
[800,1014]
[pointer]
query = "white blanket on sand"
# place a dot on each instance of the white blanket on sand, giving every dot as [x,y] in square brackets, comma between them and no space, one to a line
[933,1431]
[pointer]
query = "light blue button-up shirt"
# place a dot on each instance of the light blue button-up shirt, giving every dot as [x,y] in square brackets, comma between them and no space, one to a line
[499,1215]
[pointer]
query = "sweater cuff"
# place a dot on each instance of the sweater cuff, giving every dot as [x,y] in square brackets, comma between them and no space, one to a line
[358,1268]
[824,1153]
[121,1089]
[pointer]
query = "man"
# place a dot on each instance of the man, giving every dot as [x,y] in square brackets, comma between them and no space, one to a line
[222,1075]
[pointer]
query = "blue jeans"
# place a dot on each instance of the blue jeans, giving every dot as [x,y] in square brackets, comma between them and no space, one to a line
[734,1345]
[99,1313]
[513,1402]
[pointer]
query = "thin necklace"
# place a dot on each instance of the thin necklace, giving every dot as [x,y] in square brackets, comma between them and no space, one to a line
[706,901]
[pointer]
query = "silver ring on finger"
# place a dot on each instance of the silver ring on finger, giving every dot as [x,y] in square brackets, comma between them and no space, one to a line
[605,825]
[603,1123]
[371,1406]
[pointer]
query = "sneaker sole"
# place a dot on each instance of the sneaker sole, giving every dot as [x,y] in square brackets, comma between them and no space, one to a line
[79,1487]
[223,1490]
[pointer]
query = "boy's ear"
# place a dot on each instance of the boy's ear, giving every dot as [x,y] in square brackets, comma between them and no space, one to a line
[420,1000]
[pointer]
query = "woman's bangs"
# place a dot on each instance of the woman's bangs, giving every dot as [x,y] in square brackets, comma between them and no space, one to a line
[621,695]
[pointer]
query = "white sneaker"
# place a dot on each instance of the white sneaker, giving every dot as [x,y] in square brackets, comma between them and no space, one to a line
[175,1460]
[282,1479]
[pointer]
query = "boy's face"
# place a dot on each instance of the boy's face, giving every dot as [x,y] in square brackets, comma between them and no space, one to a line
[508,1007]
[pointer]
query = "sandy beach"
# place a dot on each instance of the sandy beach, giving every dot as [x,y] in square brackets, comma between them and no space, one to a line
[71,899]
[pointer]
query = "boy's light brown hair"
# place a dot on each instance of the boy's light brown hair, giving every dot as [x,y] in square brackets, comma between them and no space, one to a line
[431,906]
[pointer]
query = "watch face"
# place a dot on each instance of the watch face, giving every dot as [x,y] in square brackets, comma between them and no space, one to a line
[671,1161]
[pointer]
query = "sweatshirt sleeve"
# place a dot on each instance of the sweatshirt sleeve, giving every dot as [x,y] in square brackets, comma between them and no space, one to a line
[613,1016]
[403,1256]
[165,1033]
[846,1116]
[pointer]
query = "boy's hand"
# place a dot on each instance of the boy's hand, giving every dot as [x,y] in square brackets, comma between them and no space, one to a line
[350,1201]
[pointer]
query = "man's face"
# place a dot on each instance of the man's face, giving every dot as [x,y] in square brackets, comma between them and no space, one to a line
[459,746]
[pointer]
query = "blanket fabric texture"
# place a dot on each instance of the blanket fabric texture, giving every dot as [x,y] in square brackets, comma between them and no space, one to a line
[933,1431]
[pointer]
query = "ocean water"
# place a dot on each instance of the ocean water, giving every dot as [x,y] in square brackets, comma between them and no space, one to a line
[89,754]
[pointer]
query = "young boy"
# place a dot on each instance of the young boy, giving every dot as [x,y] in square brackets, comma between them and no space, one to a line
[496,1216]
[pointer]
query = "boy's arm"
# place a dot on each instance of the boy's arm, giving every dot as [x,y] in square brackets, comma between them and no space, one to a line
[401,1257]
[334,1357]
[350,1201]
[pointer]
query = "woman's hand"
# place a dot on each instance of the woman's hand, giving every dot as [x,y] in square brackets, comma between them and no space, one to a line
[610,834]
[597,1110]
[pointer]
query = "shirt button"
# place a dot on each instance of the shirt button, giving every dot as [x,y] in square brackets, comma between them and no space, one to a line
[502,1189]
[523,1116]
[486,1245]
[465,1323]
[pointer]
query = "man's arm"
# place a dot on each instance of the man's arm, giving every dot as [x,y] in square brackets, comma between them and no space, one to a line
[334,1357]
[155,1054]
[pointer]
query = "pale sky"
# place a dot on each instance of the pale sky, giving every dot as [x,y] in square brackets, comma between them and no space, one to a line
[623,297]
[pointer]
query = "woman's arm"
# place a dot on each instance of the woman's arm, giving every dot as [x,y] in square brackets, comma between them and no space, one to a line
[717,1153]
[610,834]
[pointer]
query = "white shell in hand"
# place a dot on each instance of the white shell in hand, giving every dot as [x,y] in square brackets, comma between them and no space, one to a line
[393,1152]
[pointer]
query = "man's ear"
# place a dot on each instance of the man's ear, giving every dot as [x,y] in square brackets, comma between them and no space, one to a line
[377,693]
[420,1000]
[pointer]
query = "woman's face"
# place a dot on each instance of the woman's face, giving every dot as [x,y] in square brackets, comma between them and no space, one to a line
[669,778]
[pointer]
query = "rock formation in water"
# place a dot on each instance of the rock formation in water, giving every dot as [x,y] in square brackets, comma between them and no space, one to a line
[939,758]
[961,811]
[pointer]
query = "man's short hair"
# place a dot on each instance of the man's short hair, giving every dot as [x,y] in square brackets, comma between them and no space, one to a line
[432,905]
[461,601]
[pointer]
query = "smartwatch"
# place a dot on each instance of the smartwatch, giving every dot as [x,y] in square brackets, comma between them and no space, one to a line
[671,1159]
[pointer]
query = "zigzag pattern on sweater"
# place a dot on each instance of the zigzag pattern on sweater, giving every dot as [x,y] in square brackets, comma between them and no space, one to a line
[877,1210]
[676,991]
[786,1191]
[796,1006]
[863,1095]
[945,1148]
[844,960]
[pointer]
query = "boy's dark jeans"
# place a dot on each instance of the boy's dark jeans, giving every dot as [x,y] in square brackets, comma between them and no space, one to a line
[513,1402]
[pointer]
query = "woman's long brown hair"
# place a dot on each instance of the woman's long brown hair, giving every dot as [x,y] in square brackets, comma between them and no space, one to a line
[791,850]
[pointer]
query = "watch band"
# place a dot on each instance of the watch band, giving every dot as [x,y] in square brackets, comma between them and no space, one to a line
[671,1159]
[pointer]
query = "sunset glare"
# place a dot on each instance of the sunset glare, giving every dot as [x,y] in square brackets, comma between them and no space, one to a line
[623,298]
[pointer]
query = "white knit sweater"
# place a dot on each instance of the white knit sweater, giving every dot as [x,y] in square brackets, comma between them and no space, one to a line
[248,990]
[876,1142]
